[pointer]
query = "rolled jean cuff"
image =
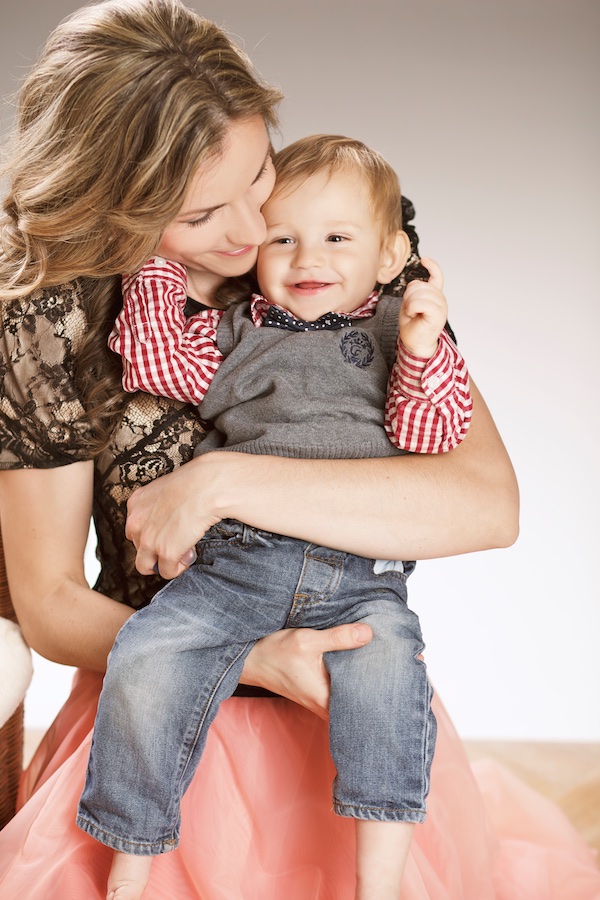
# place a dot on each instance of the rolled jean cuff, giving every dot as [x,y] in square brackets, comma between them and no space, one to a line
[135,848]
[378,813]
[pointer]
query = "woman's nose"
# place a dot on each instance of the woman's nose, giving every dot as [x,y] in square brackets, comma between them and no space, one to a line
[248,226]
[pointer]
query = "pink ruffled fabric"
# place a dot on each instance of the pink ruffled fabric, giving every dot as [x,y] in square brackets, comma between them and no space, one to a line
[257,821]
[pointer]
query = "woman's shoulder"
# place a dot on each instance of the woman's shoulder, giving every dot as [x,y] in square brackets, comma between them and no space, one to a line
[52,311]
[41,412]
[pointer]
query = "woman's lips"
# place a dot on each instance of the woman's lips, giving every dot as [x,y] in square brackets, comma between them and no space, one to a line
[240,252]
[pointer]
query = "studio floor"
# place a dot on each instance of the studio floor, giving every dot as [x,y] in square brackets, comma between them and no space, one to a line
[567,773]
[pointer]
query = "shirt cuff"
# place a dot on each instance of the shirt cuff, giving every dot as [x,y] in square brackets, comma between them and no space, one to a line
[428,379]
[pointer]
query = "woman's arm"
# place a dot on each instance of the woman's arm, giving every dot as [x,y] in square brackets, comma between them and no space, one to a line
[404,507]
[45,515]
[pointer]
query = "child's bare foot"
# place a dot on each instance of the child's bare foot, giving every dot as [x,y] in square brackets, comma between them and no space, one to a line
[128,876]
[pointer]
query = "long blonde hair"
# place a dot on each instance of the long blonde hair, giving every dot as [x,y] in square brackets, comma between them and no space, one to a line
[127,99]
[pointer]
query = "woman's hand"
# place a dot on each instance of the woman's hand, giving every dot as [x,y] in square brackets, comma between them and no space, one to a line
[290,662]
[166,518]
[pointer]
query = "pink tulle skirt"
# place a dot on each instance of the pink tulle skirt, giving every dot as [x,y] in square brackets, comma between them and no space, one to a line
[258,825]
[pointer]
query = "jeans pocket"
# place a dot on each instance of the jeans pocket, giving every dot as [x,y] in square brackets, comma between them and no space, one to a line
[389,566]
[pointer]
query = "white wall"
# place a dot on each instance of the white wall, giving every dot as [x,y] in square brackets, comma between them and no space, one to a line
[489,112]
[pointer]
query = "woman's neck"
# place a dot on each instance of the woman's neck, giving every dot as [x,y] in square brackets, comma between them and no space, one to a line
[202,286]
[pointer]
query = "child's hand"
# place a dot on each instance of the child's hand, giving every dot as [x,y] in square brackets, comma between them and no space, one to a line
[423,313]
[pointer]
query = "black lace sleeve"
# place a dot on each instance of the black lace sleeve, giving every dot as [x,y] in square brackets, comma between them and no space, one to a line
[41,414]
[42,426]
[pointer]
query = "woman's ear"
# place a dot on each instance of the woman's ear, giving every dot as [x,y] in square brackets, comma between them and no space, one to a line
[394,255]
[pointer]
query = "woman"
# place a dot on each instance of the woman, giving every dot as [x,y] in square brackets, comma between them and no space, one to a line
[129,109]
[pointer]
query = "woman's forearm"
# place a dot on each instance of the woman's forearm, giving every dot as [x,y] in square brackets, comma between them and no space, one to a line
[78,628]
[45,521]
[404,507]
[409,507]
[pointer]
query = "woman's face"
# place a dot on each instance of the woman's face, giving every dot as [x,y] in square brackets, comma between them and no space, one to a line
[219,228]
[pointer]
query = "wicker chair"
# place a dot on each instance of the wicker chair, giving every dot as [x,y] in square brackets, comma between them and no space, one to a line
[11,734]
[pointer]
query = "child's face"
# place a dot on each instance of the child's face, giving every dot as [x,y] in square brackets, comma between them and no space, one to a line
[323,250]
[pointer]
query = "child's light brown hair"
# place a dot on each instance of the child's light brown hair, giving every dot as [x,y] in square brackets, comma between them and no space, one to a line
[334,153]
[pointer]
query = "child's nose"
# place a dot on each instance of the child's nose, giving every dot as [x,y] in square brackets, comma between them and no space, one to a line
[307,256]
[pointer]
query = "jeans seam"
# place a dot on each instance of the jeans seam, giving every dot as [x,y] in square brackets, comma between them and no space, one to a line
[426,737]
[364,806]
[301,600]
[95,830]
[202,719]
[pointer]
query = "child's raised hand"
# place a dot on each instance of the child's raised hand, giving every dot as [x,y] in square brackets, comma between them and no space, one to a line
[423,312]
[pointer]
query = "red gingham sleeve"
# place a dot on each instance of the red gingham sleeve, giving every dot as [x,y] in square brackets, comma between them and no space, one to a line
[163,351]
[429,403]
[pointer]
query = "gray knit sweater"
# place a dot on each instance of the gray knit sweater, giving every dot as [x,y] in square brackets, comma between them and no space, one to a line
[313,395]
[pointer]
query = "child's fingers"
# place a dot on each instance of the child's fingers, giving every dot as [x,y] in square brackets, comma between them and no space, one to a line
[424,302]
[436,277]
[422,292]
[420,304]
[426,308]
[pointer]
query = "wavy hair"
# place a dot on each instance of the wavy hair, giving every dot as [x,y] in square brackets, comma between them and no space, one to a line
[127,99]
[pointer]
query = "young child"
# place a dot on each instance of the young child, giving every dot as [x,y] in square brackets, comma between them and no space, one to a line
[320,365]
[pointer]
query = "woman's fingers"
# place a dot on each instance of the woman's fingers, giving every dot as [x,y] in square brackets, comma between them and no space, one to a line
[290,662]
[340,637]
[165,520]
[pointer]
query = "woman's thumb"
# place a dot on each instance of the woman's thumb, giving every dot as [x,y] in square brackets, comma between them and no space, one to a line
[348,637]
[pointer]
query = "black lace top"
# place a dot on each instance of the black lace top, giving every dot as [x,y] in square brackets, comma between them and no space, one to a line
[41,426]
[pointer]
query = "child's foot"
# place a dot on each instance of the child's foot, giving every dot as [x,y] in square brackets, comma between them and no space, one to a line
[128,876]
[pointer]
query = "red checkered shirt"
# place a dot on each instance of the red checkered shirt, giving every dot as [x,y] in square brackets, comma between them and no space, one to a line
[167,353]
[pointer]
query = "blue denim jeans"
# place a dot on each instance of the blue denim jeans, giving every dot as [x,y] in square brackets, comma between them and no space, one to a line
[176,660]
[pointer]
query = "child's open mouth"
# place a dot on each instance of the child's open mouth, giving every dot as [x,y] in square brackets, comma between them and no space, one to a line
[308,286]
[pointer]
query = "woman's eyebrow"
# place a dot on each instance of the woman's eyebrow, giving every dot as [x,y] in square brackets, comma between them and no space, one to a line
[212,209]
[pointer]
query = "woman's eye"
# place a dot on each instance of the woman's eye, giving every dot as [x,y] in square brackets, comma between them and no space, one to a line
[202,220]
[263,171]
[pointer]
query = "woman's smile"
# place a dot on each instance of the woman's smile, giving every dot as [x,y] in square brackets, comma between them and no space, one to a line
[240,252]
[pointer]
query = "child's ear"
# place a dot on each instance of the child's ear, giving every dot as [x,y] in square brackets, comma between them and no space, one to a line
[394,255]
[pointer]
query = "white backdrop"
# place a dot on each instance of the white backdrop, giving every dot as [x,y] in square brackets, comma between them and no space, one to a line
[489,112]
